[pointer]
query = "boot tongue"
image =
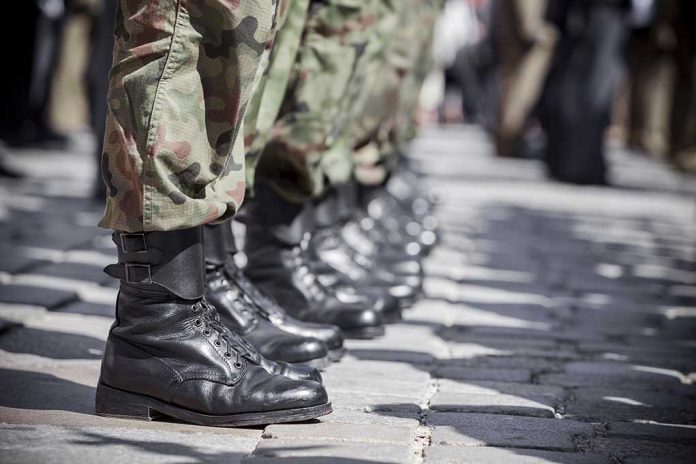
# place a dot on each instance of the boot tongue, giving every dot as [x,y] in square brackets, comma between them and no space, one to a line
[234,341]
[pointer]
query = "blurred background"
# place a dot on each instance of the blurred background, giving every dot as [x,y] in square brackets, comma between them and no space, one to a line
[560,139]
[546,80]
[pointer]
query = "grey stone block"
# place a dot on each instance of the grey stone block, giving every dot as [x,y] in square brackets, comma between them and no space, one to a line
[492,404]
[506,431]
[76,271]
[14,264]
[35,296]
[489,455]
[630,376]
[609,404]
[323,451]
[624,448]
[50,444]
[654,431]
[479,387]
[368,433]
[388,418]
[482,373]
[91,309]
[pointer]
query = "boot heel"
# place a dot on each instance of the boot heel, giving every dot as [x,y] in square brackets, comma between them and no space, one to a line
[110,402]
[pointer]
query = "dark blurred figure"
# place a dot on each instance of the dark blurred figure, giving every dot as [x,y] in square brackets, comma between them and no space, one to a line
[650,69]
[472,70]
[683,118]
[98,81]
[26,91]
[524,43]
[580,90]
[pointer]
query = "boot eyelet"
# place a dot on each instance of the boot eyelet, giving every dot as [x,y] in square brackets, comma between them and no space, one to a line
[228,355]
[206,332]
[238,365]
[197,322]
[194,309]
[217,343]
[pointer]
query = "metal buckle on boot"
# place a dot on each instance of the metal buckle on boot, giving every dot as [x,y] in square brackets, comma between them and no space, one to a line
[139,277]
[131,238]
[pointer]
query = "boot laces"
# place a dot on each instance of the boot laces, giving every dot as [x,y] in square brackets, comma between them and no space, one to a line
[304,271]
[233,343]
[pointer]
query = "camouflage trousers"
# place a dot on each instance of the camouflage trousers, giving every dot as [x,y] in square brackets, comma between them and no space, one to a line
[182,76]
[384,115]
[301,148]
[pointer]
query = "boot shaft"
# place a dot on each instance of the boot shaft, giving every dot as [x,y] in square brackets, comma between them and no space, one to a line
[161,262]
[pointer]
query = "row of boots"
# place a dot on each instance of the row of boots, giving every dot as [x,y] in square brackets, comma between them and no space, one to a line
[201,339]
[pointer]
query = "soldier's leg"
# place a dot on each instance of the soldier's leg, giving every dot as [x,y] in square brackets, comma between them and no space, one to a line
[382,132]
[182,74]
[265,323]
[289,172]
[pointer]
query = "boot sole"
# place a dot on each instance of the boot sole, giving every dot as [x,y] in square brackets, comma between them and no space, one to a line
[111,402]
[319,363]
[393,316]
[366,333]
[337,354]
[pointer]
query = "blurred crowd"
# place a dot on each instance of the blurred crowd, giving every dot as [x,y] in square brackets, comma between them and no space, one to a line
[553,79]
[547,79]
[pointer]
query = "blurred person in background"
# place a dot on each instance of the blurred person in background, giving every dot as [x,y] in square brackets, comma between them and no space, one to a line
[682,144]
[26,95]
[581,87]
[525,43]
[650,77]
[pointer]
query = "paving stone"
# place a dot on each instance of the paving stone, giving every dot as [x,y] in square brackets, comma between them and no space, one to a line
[369,433]
[482,373]
[370,402]
[380,370]
[388,418]
[78,271]
[630,376]
[528,363]
[614,404]
[490,455]
[92,309]
[51,344]
[14,264]
[357,385]
[36,296]
[391,355]
[482,387]
[652,431]
[310,451]
[492,404]
[626,447]
[51,444]
[658,460]
[506,431]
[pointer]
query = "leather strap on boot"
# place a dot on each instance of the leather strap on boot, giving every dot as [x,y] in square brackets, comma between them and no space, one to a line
[172,260]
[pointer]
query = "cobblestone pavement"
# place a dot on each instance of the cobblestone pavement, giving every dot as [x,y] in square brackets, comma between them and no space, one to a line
[559,326]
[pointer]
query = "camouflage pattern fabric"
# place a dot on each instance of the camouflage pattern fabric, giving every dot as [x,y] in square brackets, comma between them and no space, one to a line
[384,120]
[274,77]
[182,76]
[308,125]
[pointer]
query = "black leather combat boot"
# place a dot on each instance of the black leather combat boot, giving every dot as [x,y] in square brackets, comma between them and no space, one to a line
[267,308]
[402,212]
[168,354]
[330,216]
[276,248]
[240,314]
[364,258]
